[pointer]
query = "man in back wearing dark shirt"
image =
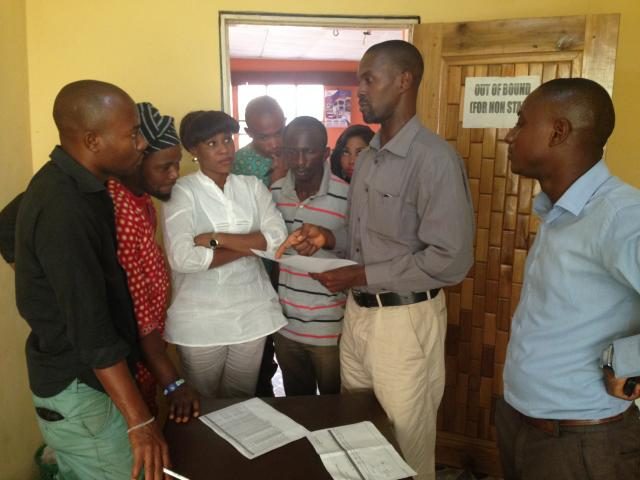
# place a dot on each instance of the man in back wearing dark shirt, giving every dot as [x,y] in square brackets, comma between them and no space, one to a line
[8,230]
[73,293]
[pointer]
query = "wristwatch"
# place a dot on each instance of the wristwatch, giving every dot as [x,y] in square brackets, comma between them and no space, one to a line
[606,359]
[214,243]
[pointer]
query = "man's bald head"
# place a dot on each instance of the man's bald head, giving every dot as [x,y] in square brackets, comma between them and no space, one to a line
[99,127]
[265,121]
[585,104]
[262,106]
[86,105]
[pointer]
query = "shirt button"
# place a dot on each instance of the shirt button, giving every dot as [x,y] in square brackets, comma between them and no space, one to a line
[366,189]
[357,250]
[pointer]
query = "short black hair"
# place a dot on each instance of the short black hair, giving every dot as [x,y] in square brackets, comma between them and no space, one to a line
[201,125]
[362,131]
[402,54]
[307,123]
[586,102]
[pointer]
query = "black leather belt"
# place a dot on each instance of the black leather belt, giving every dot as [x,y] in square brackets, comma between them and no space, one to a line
[392,299]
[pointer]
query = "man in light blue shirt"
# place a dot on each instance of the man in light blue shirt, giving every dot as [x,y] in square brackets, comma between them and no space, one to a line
[580,295]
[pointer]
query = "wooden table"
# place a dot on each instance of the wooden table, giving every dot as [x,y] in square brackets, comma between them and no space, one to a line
[198,453]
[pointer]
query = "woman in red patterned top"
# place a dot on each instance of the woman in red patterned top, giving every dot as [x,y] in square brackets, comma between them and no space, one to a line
[144,263]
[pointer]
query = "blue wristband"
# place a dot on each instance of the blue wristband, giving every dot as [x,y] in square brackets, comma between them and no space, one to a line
[172,387]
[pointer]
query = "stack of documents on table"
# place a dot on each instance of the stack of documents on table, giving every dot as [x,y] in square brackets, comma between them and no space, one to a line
[253,427]
[350,452]
[358,452]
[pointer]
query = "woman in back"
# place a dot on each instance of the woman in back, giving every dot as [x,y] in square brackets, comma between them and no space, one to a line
[223,303]
[349,145]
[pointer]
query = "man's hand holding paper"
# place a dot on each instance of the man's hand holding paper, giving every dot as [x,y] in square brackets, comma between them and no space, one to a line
[307,240]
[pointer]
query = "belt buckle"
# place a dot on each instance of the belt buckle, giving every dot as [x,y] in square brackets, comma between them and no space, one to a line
[357,296]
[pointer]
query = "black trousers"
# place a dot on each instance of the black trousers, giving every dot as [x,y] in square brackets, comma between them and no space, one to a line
[608,451]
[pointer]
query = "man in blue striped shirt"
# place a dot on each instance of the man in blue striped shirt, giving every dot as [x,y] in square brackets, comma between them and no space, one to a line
[580,294]
[307,348]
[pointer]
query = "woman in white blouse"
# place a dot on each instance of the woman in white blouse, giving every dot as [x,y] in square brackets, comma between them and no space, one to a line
[223,303]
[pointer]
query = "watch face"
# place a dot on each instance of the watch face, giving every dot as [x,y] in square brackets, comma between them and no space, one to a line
[213,243]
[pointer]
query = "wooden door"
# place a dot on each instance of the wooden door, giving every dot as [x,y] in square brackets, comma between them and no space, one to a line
[481,307]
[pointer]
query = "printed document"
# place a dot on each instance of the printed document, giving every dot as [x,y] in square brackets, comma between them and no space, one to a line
[253,427]
[307,264]
[358,452]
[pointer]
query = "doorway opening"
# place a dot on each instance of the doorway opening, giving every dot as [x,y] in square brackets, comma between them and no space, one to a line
[307,63]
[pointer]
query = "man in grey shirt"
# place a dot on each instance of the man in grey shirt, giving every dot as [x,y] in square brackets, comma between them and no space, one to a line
[411,231]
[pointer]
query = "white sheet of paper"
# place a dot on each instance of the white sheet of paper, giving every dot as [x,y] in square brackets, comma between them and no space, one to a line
[358,452]
[307,264]
[253,427]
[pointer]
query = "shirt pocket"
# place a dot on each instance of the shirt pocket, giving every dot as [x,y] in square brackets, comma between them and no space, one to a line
[384,215]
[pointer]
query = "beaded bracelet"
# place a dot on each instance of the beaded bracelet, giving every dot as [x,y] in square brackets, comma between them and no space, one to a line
[173,386]
[140,425]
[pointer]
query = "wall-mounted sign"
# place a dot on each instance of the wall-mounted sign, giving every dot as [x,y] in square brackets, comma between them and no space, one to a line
[493,102]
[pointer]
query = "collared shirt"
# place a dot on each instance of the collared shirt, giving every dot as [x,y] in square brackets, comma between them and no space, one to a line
[580,293]
[411,217]
[69,285]
[232,303]
[313,312]
[249,162]
[147,274]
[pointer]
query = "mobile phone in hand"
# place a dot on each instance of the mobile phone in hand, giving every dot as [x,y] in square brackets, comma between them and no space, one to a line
[630,385]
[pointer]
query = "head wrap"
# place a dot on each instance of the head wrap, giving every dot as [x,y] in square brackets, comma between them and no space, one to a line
[158,130]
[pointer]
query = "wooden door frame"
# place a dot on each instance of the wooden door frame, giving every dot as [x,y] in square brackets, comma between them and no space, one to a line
[444,40]
[587,42]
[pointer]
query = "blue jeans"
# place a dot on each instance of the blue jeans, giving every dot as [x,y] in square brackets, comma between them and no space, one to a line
[91,442]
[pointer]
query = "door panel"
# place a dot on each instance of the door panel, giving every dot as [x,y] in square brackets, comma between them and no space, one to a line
[480,308]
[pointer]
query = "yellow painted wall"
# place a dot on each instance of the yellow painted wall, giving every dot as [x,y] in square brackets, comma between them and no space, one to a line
[19,435]
[167,51]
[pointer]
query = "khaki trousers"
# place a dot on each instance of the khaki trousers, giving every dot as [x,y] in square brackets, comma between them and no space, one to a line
[398,352]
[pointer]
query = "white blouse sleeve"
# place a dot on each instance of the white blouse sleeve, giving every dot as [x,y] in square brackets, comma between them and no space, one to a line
[179,231]
[272,225]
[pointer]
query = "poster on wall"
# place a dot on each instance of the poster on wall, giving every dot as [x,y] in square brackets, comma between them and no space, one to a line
[494,102]
[337,108]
